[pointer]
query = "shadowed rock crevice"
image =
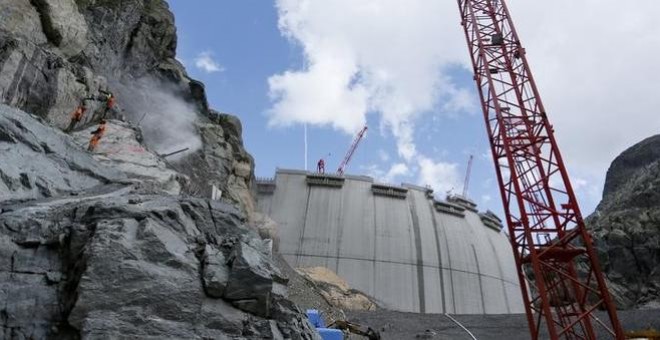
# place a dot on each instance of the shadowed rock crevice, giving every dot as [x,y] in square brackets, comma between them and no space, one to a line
[48,27]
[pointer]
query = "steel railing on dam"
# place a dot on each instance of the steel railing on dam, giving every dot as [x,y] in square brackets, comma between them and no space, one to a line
[395,243]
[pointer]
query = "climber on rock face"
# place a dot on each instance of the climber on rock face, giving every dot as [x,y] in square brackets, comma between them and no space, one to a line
[109,99]
[76,116]
[96,136]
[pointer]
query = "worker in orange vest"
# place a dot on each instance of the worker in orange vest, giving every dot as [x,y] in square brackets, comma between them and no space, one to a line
[76,116]
[109,99]
[321,166]
[96,136]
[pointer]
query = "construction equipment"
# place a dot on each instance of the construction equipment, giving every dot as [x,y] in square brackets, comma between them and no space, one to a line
[537,195]
[649,334]
[353,328]
[351,151]
[165,155]
[468,171]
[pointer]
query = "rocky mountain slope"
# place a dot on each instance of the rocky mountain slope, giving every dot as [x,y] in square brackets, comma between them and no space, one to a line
[123,242]
[56,53]
[626,226]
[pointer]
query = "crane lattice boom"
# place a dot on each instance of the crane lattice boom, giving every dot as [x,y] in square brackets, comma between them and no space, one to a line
[546,229]
[351,151]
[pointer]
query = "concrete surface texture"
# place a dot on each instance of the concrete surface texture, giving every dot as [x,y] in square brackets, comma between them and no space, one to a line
[396,244]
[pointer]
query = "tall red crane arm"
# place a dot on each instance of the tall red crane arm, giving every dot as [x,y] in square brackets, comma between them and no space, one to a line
[546,229]
[351,151]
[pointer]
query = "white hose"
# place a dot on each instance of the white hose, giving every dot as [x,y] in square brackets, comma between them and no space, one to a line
[460,325]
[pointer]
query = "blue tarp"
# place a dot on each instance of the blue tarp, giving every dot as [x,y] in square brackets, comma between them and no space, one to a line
[316,320]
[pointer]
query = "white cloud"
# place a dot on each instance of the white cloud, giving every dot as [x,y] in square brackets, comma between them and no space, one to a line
[398,169]
[395,174]
[205,62]
[383,155]
[380,56]
[442,177]
[384,57]
[389,57]
[598,78]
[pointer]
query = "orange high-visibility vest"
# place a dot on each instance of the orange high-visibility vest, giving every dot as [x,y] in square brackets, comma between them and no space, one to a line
[111,101]
[78,113]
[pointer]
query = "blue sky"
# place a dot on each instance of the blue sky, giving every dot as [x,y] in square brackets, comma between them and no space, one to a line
[403,71]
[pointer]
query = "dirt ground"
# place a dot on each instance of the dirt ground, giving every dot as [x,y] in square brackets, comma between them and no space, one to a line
[401,326]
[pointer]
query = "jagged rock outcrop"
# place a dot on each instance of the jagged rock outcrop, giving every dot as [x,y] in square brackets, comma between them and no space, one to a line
[626,226]
[120,243]
[115,264]
[39,162]
[54,54]
[222,161]
[109,253]
[121,148]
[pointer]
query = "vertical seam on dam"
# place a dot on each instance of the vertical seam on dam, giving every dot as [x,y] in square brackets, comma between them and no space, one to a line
[304,225]
[501,274]
[340,232]
[451,275]
[420,260]
[440,266]
[481,286]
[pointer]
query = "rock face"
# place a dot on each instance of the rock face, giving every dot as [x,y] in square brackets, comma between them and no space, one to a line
[56,53]
[110,254]
[115,264]
[222,162]
[120,243]
[39,162]
[626,226]
[121,148]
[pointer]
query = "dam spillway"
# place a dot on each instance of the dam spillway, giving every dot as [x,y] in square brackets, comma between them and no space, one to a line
[398,244]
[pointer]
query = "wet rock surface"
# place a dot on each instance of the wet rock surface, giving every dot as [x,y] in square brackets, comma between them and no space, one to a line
[626,226]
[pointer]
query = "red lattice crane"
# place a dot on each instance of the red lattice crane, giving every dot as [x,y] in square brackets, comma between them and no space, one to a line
[351,151]
[550,241]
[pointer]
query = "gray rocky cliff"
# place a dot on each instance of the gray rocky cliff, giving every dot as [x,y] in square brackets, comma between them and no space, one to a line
[100,246]
[122,242]
[55,54]
[626,226]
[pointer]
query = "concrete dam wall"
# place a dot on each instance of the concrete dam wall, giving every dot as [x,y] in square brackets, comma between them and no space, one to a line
[397,244]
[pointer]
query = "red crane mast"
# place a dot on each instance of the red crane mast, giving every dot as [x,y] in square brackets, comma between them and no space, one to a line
[351,151]
[548,235]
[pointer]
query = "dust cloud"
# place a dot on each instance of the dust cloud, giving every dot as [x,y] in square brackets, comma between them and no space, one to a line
[167,121]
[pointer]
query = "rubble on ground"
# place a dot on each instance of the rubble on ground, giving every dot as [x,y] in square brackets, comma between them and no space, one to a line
[336,290]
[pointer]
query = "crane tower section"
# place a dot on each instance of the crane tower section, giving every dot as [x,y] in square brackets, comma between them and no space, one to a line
[550,242]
